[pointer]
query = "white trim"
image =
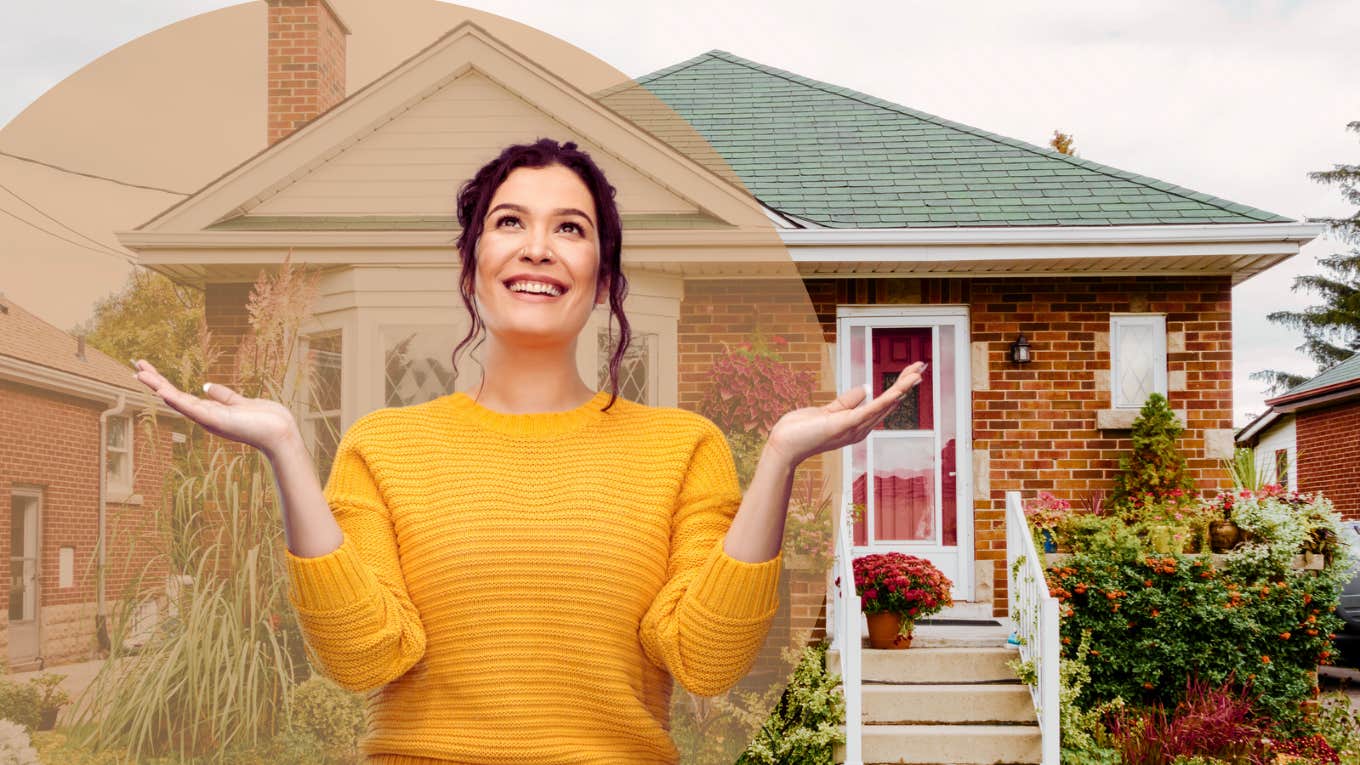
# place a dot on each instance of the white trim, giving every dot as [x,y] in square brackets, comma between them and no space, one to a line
[1298,233]
[899,310]
[1306,403]
[1157,321]
[1258,425]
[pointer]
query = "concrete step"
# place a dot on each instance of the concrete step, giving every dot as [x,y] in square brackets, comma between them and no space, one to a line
[928,704]
[932,665]
[960,744]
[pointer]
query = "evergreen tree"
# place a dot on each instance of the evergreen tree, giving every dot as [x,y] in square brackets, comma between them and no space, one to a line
[1156,466]
[1331,331]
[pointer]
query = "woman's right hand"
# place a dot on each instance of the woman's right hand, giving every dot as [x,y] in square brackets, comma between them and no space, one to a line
[258,422]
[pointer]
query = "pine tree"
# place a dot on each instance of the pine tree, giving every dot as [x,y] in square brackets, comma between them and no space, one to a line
[1156,466]
[1331,331]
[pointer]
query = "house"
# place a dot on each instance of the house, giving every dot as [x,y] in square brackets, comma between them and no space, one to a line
[1050,294]
[1314,430]
[80,476]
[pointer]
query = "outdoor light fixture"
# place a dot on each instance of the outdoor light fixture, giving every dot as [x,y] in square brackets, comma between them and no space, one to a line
[1020,350]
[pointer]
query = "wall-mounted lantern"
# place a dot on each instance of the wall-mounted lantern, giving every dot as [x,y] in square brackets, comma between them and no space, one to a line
[1020,350]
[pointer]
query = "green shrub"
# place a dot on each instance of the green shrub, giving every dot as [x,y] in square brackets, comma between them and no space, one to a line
[807,722]
[1156,621]
[328,713]
[21,703]
[1155,467]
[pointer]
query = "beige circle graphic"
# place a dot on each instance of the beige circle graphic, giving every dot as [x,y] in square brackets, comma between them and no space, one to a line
[283,174]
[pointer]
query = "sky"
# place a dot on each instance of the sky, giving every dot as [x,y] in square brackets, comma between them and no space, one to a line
[1236,99]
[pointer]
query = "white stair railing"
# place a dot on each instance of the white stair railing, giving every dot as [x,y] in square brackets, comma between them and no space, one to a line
[846,637]
[1034,617]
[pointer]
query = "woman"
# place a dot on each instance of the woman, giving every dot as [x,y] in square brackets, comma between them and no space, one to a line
[518,575]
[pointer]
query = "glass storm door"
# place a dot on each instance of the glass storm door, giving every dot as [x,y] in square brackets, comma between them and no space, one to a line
[909,475]
[23,578]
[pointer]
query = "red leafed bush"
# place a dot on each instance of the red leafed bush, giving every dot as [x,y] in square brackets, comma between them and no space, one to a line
[1211,721]
[749,391]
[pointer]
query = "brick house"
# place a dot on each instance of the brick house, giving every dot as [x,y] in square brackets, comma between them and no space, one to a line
[76,467]
[867,234]
[1314,429]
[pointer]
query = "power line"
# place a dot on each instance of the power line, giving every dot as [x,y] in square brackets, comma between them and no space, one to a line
[91,175]
[55,235]
[41,212]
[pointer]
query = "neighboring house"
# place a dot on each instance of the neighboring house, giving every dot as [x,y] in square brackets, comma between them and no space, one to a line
[906,237]
[1314,427]
[76,467]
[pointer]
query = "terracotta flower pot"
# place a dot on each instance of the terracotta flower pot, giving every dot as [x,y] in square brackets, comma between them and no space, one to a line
[883,631]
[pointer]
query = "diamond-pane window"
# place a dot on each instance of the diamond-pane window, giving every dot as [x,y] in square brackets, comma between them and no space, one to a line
[418,363]
[1137,358]
[321,410]
[636,369]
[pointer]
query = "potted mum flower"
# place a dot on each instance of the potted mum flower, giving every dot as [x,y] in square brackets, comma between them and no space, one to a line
[1044,514]
[896,590]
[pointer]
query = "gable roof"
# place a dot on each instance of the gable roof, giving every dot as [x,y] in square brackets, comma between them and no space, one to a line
[844,159]
[465,54]
[25,337]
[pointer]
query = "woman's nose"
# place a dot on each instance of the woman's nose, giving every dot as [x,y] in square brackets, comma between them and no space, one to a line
[537,246]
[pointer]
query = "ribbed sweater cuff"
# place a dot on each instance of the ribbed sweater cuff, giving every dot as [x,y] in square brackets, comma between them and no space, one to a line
[738,589]
[331,581]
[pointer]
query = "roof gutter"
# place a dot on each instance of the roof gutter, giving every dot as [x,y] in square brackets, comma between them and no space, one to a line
[1317,396]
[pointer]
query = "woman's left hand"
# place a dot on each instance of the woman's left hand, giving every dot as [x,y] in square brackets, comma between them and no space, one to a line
[812,430]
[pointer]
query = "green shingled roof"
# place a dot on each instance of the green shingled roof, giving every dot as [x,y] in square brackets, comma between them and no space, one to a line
[1344,371]
[845,159]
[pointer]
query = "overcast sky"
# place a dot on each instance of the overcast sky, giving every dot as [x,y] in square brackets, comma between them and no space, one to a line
[1236,99]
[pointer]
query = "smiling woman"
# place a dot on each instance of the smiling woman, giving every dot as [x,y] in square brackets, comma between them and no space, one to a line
[522,574]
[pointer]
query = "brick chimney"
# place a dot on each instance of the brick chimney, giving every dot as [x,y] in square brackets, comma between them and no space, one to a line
[306,63]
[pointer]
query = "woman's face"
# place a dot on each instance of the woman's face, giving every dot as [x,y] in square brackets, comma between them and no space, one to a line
[540,229]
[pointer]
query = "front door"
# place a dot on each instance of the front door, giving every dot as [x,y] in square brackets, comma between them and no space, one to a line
[23,582]
[910,474]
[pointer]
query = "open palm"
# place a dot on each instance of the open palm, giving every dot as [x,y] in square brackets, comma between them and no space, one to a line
[257,422]
[812,430]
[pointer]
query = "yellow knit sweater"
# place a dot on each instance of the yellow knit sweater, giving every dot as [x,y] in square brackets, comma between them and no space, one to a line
[521,588]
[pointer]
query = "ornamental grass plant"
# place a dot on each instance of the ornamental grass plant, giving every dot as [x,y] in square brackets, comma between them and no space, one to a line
[212,676]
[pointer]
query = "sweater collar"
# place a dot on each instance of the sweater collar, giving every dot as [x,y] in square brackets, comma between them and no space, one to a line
[534,425]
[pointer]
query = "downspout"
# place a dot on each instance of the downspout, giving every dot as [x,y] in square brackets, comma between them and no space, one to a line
[100,619]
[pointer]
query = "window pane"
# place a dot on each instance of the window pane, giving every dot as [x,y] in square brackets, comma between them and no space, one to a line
[1137,354]
[634,367]
[117,468]
[323,355]
[117,432]
[904,489]
[895,349]
[325,438]
[418,363]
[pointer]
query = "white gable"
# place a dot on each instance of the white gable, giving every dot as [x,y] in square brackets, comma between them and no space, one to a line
[414,164]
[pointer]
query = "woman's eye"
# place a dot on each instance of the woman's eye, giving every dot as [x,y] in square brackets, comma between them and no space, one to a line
[576,226]
[506,218]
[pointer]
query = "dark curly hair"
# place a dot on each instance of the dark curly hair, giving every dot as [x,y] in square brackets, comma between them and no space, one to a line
[475,197]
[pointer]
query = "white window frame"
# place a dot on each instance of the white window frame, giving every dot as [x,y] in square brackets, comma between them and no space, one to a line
[121,483]
[1157,321]
[310,418]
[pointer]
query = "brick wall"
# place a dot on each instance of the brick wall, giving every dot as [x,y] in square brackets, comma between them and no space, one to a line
[715,312]
[306,63]
[1037,423]
[1328,440]
[51,442]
